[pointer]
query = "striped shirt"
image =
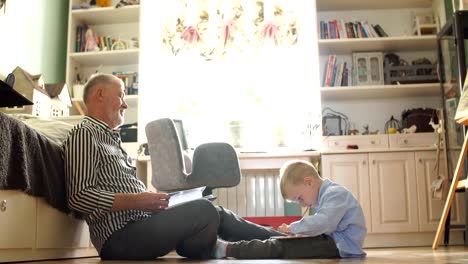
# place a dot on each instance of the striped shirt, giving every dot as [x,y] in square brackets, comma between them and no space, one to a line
[96,168]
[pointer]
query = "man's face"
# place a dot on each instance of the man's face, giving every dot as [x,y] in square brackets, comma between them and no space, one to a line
[305,193]
[115,104]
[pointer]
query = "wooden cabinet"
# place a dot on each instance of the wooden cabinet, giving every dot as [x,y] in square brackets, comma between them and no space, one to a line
[58,230]
[338,143]
[351,171]
[17,220]
[32,230]
[393,189]
[383,183]
[394,200]
[430,209]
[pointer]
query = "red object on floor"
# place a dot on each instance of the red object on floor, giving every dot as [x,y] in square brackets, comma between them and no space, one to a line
[273,221]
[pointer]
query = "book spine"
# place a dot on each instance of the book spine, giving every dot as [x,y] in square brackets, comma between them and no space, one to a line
[324,77]
[78,38]
[331,63]
[380,31]
[339,81]
[331,30]
[345,75]
[343,31]
[337,29]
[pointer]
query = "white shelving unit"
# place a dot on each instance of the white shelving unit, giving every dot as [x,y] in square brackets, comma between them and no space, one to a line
[390,175]
[409,43]
[117,23]
[379,91]
[373,105]
[108,15]
[333,5]
[113,57]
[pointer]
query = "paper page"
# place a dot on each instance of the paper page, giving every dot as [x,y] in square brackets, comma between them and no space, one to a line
[185,196]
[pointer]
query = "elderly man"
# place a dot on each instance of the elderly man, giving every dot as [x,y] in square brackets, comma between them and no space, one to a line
[125,220]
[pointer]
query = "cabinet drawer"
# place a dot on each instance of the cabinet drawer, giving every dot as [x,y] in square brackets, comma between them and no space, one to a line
[58,230]
[17,220]
[362,141]
[413,140]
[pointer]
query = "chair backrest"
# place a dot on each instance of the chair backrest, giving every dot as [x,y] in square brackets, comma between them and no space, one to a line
[167,160]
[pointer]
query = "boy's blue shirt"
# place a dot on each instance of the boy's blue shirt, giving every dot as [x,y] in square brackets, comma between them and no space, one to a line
[339,215]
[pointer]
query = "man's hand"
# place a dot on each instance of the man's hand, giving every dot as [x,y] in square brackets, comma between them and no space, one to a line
[153,202]
[284,228]
[147,201]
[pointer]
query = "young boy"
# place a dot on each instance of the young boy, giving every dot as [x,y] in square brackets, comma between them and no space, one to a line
[336,229]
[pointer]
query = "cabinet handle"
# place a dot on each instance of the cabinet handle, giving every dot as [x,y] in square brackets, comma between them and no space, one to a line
[336,143]
[372,142]
[373,162]
[405,141]
[363,162]
[3,206]
[420,160]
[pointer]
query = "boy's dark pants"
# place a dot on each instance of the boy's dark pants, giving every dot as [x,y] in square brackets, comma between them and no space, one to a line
[321,246]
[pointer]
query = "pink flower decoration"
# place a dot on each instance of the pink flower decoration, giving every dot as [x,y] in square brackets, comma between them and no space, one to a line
[270,31]
[190,34]
[229,28]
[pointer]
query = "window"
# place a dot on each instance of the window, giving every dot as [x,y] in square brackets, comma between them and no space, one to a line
[237,71]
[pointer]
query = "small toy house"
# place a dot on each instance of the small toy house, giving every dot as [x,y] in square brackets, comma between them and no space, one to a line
[60,99]
[48,101]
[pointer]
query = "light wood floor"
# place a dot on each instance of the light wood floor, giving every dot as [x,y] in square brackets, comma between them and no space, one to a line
[413,255]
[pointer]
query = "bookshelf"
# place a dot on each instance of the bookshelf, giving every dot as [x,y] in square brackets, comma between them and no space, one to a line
[117,24]
[385,163]
[395,17]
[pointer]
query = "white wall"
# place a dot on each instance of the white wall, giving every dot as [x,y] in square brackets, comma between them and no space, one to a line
[34,37]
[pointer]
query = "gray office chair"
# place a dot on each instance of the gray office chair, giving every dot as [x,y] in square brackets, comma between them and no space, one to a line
[213,164]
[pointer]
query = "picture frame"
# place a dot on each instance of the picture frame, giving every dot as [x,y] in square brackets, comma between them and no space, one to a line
[368,68]
[332,126]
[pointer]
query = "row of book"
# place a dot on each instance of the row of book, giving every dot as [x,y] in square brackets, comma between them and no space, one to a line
[337,74]
[130,80]
[338,29]
[87,40]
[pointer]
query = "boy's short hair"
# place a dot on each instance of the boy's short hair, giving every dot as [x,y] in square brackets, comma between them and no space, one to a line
[294,171]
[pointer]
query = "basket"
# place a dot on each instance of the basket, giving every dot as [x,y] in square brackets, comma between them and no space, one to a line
[421,73]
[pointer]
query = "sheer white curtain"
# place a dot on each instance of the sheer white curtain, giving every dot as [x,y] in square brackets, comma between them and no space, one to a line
[257,94]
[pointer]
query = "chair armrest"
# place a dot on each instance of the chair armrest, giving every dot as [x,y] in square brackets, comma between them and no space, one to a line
[215,165]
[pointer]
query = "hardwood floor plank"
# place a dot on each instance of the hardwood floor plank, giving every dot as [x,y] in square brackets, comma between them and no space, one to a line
[413,255]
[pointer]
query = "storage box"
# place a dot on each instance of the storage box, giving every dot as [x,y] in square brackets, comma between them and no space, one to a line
[423,73]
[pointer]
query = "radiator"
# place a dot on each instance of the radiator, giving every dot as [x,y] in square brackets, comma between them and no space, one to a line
[257,194]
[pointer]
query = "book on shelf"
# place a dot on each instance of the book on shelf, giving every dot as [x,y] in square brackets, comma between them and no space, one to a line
[461,115]
[130,80]
[380,30]
[104,43]
[335,73]
[329,70]
[339,29]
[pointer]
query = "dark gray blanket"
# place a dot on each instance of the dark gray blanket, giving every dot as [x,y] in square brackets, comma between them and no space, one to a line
[32,163]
